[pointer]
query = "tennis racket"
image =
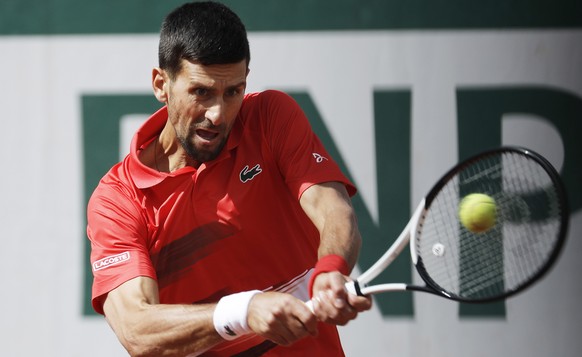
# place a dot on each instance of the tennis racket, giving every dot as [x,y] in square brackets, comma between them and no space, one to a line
[524,242]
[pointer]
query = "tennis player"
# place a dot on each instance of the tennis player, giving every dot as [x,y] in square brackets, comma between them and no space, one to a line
[227,214]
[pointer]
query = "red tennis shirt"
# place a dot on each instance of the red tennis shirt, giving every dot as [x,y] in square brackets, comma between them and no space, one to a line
[233,224]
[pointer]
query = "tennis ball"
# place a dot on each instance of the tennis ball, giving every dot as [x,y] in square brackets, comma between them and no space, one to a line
[477,212]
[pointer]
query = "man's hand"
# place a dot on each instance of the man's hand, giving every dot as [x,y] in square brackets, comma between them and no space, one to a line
[331,301]
[280,318]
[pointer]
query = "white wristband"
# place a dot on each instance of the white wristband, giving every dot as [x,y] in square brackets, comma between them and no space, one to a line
[230,315]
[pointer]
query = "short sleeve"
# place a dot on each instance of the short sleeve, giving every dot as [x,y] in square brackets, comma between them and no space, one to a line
[301,157]
[118,235]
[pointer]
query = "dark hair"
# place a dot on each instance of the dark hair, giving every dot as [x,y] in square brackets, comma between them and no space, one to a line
[203,32]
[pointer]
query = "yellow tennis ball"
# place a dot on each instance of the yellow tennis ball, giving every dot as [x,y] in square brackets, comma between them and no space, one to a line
[478,212]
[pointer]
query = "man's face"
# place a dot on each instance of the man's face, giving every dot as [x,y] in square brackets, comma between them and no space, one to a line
[203,102]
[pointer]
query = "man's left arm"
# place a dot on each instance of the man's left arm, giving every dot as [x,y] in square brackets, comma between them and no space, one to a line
[329,207]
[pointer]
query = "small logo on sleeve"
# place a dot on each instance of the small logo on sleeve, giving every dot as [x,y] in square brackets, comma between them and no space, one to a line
[248,174]
[110,261]
[318,158]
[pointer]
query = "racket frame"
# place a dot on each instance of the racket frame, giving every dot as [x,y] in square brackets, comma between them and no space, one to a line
[360,286]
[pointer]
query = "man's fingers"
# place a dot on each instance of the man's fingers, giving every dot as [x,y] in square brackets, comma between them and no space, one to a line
[281,318]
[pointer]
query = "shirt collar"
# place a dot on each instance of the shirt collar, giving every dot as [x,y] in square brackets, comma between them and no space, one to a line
[146,177]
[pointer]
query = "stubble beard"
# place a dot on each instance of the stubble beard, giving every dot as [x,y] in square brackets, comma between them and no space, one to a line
[201,155]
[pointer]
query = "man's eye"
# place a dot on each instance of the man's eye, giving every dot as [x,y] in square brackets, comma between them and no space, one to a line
[201,92]
[233,92]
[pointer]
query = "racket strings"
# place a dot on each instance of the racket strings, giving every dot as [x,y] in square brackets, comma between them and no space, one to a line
[480,266]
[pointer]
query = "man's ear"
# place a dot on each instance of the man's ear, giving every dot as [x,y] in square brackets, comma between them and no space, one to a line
[160,84]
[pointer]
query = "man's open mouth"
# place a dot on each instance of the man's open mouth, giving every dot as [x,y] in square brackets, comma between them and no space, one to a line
[206,134]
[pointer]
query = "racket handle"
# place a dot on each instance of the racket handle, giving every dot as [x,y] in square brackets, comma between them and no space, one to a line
[351,286]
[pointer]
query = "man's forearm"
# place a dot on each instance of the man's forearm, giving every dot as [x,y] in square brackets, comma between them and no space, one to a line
[147,328]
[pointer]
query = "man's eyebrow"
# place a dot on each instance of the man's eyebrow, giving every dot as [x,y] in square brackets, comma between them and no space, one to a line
[198,84]
[240,84]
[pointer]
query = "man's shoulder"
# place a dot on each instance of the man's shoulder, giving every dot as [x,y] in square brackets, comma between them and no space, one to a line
[269,105]
[267,97]
[116,183]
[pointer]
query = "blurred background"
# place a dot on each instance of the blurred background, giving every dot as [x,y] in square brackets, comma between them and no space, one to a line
[399,91]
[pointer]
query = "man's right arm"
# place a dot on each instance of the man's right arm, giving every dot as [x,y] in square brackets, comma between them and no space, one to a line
[147,328]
